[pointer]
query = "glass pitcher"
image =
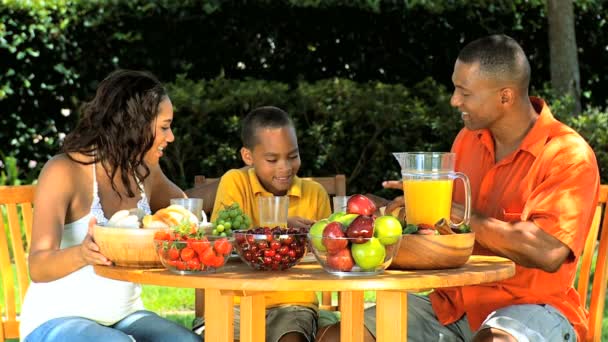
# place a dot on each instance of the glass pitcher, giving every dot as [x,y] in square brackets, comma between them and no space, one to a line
[428,179]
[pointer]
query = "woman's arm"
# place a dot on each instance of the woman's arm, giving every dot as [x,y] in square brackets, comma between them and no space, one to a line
[54,199]
[161,189]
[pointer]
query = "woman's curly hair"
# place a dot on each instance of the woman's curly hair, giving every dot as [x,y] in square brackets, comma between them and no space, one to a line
[115,127]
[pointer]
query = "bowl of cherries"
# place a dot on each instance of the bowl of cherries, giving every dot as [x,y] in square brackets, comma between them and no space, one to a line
[271,249]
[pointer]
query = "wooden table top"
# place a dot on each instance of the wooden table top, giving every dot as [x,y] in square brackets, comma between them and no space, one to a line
[310,276]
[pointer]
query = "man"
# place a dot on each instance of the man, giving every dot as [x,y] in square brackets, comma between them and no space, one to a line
[534,185]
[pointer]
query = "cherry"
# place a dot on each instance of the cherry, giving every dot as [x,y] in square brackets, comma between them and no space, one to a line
[266,248]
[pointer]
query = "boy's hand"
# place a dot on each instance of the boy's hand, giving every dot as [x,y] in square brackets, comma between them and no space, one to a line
[299,222]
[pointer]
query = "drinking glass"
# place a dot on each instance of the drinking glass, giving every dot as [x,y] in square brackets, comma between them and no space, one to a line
[339,203]
[194,205]
[273,211]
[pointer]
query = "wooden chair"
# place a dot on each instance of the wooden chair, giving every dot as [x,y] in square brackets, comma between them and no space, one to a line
[16,209]
[203,188]
[598,236]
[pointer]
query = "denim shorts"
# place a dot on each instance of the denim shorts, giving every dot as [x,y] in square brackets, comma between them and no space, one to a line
[526,322]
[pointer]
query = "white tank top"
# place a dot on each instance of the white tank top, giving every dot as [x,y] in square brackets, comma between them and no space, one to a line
[82,293]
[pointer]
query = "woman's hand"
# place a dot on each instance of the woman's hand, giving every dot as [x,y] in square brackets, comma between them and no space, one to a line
[89,250]
[299,222]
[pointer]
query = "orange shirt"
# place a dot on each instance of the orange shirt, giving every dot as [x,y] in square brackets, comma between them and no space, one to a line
[552,179]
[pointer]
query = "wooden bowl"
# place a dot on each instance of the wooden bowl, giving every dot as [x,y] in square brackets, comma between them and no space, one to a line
[429,252]
[128,247]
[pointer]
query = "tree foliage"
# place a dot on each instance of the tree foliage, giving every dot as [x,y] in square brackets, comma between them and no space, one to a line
[53,54]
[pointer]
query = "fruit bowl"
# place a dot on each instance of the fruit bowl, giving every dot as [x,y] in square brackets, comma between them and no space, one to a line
[344,256]
[129,247]
[428,252]
[269,249]
[206,254]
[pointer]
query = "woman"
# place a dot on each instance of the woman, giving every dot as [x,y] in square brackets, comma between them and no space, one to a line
[109,162]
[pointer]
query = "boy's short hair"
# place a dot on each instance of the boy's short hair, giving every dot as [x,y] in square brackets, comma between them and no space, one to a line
[262,117]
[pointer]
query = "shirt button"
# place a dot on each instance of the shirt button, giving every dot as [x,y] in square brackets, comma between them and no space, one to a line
[567,337]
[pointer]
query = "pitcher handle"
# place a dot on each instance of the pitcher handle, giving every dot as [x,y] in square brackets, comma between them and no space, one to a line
[467,200]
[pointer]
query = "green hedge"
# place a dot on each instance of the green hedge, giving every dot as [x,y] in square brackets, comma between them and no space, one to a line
[53,53]
[342,126]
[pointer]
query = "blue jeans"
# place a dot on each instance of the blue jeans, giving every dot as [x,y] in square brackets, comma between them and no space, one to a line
[139,326]
[525,322]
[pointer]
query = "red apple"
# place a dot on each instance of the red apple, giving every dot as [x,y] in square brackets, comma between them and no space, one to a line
[361,229]
[334,238]
[341,261]
[359,204]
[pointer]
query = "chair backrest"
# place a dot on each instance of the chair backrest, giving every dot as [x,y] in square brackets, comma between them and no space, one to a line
[335,186]
[16,211]
[598,237]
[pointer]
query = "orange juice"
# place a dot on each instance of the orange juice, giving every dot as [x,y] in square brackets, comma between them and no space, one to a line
[272,224]
[427,200]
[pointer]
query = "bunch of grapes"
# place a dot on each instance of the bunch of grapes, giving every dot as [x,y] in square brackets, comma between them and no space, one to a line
[230,218]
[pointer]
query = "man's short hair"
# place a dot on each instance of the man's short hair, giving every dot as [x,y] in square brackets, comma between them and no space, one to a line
[500,57]
[262,117]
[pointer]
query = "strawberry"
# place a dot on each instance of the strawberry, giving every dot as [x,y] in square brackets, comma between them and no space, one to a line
[218,261]
[193,264]
[199,246]
[187,254]
[173,253]
[222,246]
[207,258]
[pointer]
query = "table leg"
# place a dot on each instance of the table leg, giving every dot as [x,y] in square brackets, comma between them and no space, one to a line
[351,308]
[219,316]
[391,316]
[253,318]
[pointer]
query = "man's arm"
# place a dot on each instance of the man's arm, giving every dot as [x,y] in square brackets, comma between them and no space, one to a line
[523,242]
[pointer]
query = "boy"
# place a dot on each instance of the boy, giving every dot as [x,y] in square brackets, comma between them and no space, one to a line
[270,149]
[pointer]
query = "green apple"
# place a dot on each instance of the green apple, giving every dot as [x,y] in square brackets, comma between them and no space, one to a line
[387,229]
[336,215]
[368,255]
[316,233]
[347,219]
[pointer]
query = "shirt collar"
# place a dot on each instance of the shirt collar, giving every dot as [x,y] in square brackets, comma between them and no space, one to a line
[256,186]
[536,137]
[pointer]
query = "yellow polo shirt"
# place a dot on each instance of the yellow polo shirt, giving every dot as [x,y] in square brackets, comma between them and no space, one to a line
[307,199]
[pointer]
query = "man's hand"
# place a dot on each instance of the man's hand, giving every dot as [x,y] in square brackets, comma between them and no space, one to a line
[393,184]
[398,203]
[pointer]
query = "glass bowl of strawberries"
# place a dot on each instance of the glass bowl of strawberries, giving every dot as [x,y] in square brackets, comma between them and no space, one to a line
[191,252]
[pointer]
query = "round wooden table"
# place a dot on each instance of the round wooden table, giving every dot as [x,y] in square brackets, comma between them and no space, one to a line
[237,279]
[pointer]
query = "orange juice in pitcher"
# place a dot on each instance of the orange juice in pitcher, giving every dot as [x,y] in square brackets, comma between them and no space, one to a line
[428,179]
[430,200]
